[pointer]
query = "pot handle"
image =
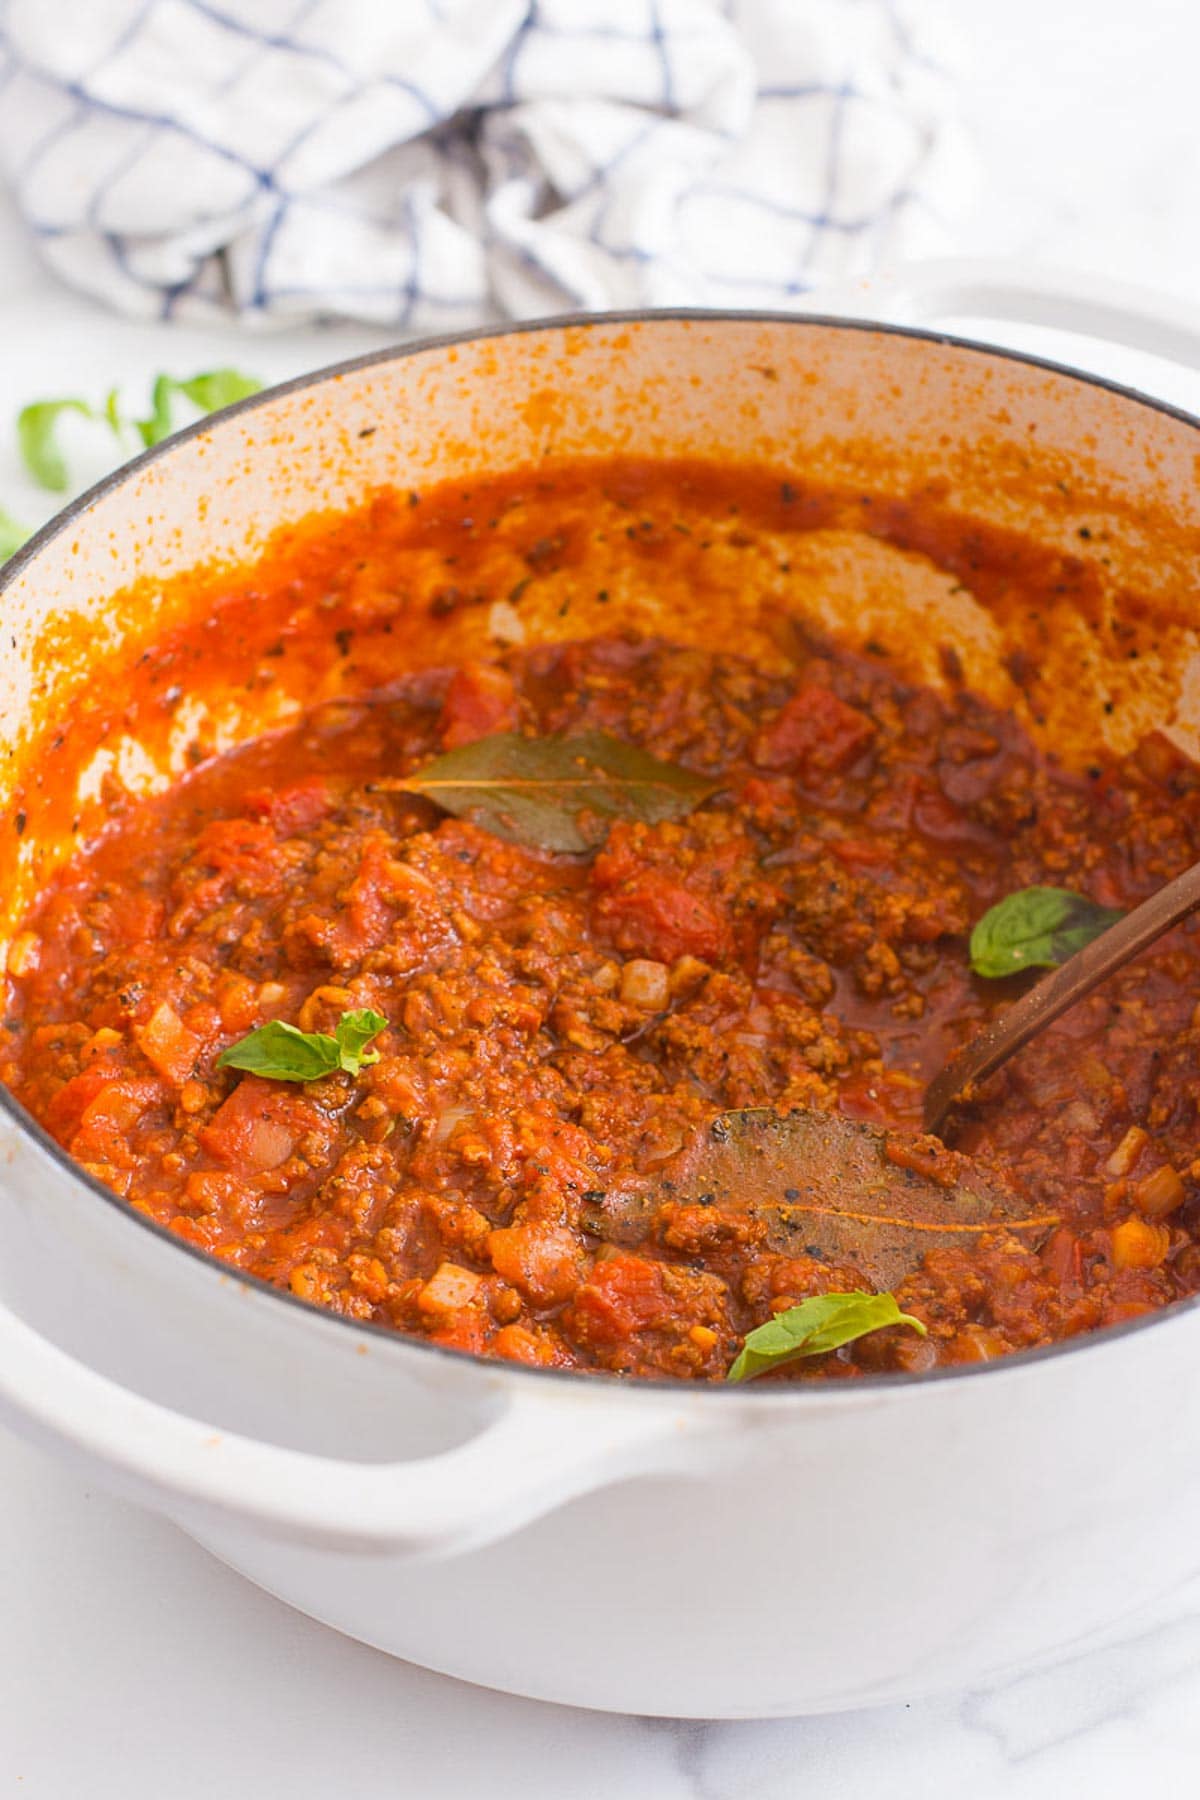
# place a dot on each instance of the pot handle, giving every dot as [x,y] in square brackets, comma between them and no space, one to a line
[1119,312]
[542,1447]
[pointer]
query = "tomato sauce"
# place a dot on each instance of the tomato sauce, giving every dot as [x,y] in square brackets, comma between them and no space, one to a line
[560,1026]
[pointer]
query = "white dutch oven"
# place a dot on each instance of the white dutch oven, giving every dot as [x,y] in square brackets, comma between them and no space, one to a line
[647,1548]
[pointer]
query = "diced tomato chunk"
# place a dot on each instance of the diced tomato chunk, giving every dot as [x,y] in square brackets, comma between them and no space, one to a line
[886,1098]
[119,1105]
[101,1132]
[1063,1257]
[257,1127]
[292,809]
[71,1101]
[467,1330]
[622,1296]
[367,913]
[653,916]
[236,846]
[815,731]
[480,700]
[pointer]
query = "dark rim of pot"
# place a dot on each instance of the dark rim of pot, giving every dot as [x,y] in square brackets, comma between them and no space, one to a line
[779,1393]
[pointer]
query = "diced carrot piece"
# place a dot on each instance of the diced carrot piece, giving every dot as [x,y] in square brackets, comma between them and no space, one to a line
[1139,1244]
[516,1344]
[542,1261]
[1159,1193]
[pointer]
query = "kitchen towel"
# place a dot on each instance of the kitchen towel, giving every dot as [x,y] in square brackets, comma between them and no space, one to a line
[427,164]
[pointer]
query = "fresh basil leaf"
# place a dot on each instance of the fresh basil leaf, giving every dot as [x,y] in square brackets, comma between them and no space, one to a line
[555,793]
[218,388]
[353,1033]
[1037,927]
[285,1053]
[158,426]
[840,1190]
[823,1322]
[208,391]
[12,535]
[37,428]
[37,424]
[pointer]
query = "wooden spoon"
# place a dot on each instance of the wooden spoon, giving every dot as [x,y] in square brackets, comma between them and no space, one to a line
[842,1191]
[1060,990]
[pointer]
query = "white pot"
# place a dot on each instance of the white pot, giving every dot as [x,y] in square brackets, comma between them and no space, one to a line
[648,1548]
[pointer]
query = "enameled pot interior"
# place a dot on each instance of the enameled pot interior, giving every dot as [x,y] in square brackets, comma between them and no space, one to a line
[1083,470]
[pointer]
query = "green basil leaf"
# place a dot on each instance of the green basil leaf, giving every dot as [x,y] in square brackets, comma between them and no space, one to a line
[37,427]
[555,793]
[285,1053]
[353,1033]
[12,535]
[37,424]
[1037,927]
[158,426]
[208,391]
[823,1322]
[218,388]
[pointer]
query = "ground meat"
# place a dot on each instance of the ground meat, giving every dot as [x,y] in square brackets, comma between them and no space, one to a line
[559,1027]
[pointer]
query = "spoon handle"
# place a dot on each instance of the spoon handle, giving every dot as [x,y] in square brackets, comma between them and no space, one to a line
[1061,989]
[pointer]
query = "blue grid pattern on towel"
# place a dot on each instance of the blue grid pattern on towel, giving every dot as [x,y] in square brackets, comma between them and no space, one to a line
[635,153]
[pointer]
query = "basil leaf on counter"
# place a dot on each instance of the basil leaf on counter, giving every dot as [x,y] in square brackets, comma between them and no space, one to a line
[12,535]
[285,1053]
[37,440]
[1037,927]
[823,1322]
[209,391]
[216,388]
[538,791]
[37,424]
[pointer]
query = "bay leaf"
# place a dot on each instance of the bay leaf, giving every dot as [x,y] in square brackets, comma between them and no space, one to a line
[554,793]
[834,1188]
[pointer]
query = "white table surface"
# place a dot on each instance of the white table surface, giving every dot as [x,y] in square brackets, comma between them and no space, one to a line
[133,1665]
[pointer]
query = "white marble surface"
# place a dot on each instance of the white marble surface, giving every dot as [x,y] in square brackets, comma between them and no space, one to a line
[132,1665]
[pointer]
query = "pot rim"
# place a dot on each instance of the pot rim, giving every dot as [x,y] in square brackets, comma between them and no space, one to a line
[774,1394]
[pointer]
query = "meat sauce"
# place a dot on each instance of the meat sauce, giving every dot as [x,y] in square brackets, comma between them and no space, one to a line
[560,1026]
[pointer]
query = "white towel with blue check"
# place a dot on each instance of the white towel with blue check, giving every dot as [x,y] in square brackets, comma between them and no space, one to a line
[425,164]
